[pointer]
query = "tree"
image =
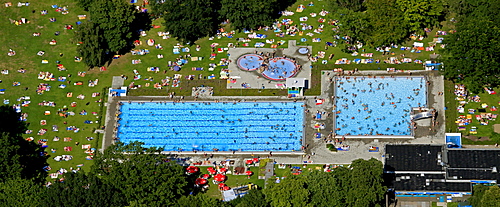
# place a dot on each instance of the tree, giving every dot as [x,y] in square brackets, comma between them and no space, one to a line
[188,20]
[91,47]
[356,25]
[80,189]
[109,31]
[21,192]
[365,183]
[200,200]
[19,158]
[142,176]
[477,195]
[491,197]
[387,22]
[115,18]
[353,5]
[255,197]
[327,189]
[420,14]
[249,14]
[291,191]
[471,51]
[85,4]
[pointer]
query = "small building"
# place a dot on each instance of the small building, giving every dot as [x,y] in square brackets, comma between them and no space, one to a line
[296,86]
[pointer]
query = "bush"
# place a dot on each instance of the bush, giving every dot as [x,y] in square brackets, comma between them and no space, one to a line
[331,147]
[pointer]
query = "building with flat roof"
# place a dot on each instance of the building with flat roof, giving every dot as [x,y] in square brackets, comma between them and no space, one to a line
[437,170]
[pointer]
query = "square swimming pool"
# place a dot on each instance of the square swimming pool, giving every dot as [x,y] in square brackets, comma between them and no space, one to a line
[381,106]
[209,126]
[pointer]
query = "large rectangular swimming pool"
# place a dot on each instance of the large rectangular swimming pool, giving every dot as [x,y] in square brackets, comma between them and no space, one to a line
[209,126]
[377,106]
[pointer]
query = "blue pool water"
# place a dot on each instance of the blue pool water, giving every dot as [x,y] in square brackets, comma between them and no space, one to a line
[280,69]
[250,62]
[377,106]
[203,126]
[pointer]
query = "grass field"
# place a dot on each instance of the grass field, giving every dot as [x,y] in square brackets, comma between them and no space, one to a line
[20,38]
[484,132]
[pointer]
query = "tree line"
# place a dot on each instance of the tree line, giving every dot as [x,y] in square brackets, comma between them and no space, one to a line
[472,51]
[114,24]
[385,22]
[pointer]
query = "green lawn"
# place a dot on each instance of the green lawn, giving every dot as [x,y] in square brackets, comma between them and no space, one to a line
[482,130]
[20,39]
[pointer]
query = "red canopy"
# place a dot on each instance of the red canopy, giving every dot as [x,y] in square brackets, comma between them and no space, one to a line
[210,169]
[226,188]
[255,160]
[249,162]
[200,181]
[249,172]
[219,177]
[205,176]
[192,169]
[221,185]
[223,169]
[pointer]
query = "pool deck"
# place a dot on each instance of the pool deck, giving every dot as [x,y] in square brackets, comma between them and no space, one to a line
[316,151]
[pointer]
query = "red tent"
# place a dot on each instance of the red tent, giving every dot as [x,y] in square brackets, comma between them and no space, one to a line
[249,162]
[192,169]
[249,172]
[219,178]
[205,176]
[212,171]
[200,181]
[223,170]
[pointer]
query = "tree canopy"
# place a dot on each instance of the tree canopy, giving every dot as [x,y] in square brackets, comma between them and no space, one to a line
[19,158]
[109,30]
[188,20]
[419,14]
[483,196]
[471,51]
[142,176]
[249,14]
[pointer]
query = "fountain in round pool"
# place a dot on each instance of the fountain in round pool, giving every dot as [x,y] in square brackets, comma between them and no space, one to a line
[209,126]
[377,106]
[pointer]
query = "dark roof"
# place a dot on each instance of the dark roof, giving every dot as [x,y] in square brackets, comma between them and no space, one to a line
[434,182]
[473,174]
[473,158]
[413,158]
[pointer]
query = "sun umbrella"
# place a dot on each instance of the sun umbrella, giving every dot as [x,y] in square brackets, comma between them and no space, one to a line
[255,160]
[249,162]
[223,170]
[210,169]
[192,169]
[205,176]
[221,185]
[177,68]
[219,177]
[249,172]
[200,181]
[226,188]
